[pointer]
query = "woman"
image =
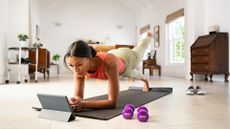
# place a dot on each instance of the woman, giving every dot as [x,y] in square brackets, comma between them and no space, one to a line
[83,60]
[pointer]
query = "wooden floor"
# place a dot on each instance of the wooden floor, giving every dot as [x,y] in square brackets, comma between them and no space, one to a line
[175,111]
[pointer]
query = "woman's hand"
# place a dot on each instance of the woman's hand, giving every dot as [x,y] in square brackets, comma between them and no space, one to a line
[76,103]
[146,84]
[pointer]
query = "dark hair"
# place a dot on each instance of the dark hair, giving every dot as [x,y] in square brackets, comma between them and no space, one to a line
[79,49]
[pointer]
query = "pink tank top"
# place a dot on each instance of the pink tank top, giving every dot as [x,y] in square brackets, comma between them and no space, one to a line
[100,73]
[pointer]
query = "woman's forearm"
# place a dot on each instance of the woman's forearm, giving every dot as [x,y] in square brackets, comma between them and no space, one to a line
[98,104]
[79,87]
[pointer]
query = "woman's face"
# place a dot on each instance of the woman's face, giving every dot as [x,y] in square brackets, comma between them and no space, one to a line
[79,65]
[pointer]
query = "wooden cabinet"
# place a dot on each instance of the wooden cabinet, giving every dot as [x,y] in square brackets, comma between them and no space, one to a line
[210,55]
[102,47]
[122,46]
[43,64]
[106,48]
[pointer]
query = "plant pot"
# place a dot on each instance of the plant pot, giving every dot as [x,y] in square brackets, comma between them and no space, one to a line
[23,44]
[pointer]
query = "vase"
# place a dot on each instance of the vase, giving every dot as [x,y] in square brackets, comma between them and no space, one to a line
[23,44]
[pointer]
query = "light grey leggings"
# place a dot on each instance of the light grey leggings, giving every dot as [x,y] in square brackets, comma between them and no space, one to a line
[132,58]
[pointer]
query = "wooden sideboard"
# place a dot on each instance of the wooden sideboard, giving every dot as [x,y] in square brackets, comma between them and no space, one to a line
[122,46]
[210,55]
[102,47]
[106,48]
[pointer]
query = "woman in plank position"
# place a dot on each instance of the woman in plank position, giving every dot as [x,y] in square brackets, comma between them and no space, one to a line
[84,61]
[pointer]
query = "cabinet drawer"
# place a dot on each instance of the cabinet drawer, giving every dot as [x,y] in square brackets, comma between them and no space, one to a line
[200,51]
[199,67]
[200,59]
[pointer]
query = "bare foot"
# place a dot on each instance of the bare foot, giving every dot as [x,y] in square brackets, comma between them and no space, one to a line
[150,34]
[146,85]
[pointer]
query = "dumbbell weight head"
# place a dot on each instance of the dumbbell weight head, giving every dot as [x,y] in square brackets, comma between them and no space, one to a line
[128,111]
[131,106]
[142,108]
[142,114]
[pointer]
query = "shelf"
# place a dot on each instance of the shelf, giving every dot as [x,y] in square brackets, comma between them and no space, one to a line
[15,63]
[20,62]
[23,48]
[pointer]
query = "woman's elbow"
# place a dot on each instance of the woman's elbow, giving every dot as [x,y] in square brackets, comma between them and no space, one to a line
[113,105]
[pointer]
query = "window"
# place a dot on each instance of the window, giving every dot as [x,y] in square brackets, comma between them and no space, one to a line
[176,40]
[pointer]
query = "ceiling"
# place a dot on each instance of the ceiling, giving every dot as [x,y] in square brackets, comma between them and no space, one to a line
[134,5]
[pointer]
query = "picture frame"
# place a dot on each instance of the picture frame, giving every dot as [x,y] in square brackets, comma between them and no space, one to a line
[37,32]
[156,36]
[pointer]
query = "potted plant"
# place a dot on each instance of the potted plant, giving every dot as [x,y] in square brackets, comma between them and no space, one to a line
[56,57]
[22,40]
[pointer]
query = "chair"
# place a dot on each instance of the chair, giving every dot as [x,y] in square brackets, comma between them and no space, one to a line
[151,65]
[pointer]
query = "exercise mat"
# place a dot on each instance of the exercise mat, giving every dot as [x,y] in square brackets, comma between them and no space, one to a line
[133,95]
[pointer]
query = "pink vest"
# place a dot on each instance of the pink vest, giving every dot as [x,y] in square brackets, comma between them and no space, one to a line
[100,73]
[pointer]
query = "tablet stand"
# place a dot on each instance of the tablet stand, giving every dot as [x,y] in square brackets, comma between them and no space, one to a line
[56,115]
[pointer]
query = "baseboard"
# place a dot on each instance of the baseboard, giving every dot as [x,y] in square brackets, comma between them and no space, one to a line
[2,81]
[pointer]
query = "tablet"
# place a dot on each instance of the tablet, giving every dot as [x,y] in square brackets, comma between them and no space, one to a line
[55,107]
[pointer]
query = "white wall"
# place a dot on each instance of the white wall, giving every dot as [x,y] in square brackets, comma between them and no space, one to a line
[216,13]
[156,15]
[88,20]
[18,20]
[195,26]
[34,20]
[3,31]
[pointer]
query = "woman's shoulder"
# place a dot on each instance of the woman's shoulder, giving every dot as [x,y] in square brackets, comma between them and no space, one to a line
[106,56]
[110,64]
[102,55]
[110,59]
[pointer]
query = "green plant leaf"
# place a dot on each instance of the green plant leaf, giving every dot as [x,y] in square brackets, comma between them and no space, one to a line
[22,37]
[56,57]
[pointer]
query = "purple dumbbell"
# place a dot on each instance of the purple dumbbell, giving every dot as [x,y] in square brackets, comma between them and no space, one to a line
[131,106]
[128,111]
[142,107]
[142,114]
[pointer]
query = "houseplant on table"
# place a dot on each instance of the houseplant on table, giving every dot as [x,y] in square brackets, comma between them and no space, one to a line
[56,57]
[22,40]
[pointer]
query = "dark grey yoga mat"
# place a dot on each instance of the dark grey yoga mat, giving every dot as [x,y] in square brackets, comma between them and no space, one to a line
[133,96]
